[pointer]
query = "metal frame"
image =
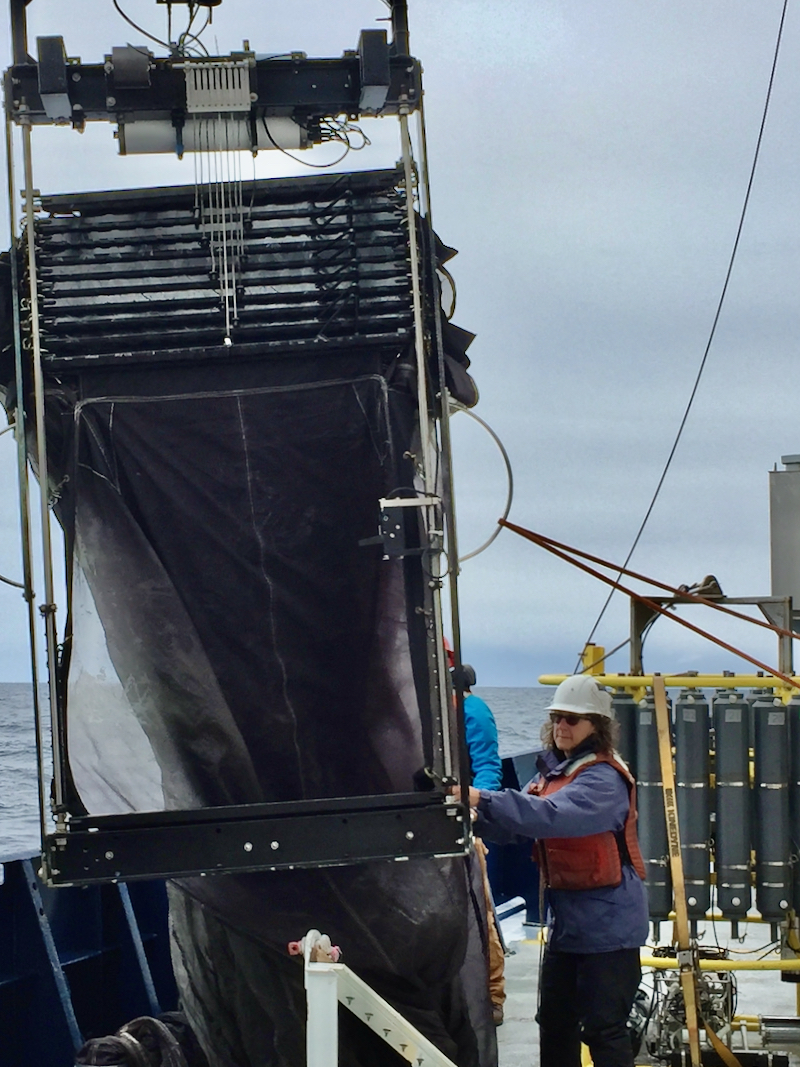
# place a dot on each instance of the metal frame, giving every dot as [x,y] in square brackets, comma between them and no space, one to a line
[305,89]
[324,832]
[776,609]
[207,841]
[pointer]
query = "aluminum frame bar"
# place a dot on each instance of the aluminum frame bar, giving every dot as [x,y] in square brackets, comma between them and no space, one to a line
[24,485]
[48,608]
[427,448]
[446,452]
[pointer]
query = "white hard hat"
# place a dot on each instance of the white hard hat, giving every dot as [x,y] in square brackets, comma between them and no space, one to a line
[581,695]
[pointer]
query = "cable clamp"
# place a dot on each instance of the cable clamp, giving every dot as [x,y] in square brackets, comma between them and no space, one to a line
[685,959]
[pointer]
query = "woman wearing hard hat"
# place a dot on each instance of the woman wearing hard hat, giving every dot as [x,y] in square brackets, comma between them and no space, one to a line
[581,811]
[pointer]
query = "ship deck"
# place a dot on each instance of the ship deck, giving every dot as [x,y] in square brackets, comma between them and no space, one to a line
[759,993]
[518,1037]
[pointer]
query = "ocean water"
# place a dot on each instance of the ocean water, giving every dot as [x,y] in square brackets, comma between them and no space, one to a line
[519,714]
[19,799]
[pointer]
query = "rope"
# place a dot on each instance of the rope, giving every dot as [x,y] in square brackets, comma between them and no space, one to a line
[711,335]
[682,594]
[143,1042]
[537,540]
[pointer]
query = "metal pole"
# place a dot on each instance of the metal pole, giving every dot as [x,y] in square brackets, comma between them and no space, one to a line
[22,480]
[685,681]
[19,30]
[322,1005]
[448,495]
[400,36]
[48,608]
[665,963]
[416,296]
[426,442]
[322,1020]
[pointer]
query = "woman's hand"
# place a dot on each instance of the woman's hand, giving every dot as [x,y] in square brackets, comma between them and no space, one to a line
[474,795]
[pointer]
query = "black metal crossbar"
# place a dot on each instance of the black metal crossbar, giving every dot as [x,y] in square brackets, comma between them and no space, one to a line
[255,837]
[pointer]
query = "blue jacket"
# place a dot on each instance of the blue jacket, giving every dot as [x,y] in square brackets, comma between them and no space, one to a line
[582,920]
[484,755]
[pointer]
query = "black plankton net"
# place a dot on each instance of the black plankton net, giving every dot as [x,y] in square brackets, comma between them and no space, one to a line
[230,640]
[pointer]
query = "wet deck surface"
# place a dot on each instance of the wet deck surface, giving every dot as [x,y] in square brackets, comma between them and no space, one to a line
[518,1038]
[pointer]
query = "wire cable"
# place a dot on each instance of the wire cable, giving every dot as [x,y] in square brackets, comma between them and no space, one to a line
[316,166]
[720,303]
[186,36]
[336,130]
[186,33]
[609,654]
[164,44]
[509,472]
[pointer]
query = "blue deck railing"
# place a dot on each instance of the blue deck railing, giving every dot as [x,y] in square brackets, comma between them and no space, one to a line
[77,963]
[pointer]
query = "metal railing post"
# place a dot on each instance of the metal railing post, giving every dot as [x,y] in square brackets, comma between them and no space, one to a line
[322,1020]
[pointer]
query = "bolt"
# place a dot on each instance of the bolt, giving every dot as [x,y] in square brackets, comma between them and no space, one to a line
[273,845]
[248,846]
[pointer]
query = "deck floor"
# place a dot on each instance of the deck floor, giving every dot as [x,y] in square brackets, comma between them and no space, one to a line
[518,1037]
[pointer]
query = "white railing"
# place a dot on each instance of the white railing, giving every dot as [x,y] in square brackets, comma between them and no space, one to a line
[329,984]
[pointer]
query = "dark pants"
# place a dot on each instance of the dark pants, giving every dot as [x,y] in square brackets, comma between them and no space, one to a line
[587,997]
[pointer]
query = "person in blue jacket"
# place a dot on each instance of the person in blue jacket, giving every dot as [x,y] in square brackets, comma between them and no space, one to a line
[481,731]
[581,811]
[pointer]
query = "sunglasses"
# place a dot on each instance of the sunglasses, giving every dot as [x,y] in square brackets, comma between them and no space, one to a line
[569,719]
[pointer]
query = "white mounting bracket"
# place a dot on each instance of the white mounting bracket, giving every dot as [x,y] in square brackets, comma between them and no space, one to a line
[330,984]
[217,87]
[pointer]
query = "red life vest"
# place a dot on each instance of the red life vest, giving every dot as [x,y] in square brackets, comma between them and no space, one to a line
[594,861]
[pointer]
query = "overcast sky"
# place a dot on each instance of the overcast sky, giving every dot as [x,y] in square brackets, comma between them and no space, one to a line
[589,159]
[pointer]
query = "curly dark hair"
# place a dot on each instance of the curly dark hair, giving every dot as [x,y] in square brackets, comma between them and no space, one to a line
[604,739]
